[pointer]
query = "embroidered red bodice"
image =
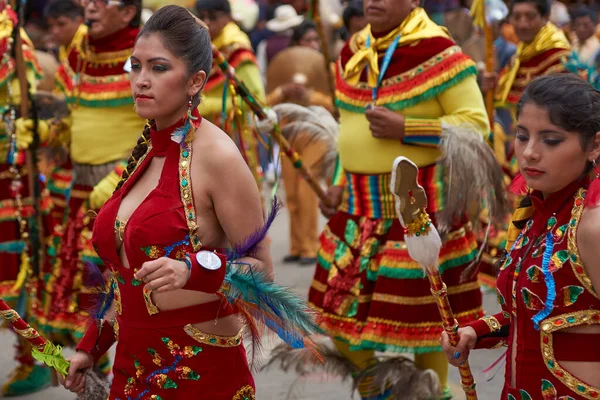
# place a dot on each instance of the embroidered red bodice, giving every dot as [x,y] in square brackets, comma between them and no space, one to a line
[163,225]
[543,288]
[162,354]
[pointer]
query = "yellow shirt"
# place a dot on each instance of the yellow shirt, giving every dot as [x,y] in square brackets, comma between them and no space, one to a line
[101,135]
[360,152]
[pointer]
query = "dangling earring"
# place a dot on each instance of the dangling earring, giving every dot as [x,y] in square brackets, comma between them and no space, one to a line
[190,108]
[592,196]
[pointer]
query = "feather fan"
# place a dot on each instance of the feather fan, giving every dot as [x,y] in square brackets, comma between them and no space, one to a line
[474,179]
[400,378]
[302,126]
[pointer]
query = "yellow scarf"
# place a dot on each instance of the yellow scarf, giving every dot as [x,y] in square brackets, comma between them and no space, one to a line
[549,37]
[417,26]
[231,34]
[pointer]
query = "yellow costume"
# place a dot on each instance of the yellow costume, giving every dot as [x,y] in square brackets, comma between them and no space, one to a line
[369,293]
[235,46]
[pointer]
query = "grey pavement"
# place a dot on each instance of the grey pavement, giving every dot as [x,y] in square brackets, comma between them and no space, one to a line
[274,384]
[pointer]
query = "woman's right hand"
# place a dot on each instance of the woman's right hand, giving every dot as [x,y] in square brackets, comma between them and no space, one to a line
[466,342]
[75,380]
[334,195]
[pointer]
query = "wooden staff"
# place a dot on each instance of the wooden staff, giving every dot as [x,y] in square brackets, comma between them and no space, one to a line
[37,239]
[424,243]
[261,113]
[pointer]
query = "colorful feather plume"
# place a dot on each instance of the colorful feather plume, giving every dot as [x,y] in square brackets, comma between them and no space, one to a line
[249,246]
[101,295]
[273,306]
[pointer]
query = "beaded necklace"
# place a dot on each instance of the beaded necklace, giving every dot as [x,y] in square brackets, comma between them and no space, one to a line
[548,277]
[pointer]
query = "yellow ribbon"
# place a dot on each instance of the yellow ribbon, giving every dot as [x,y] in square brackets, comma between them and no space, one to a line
[417,26]
[549,37]
[478,13]
[231,34]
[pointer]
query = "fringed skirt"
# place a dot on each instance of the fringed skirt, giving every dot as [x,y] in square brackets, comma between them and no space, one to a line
[55,311]
[13,271]
[368,291]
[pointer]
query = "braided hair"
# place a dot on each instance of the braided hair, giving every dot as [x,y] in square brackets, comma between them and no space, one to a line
[138,151]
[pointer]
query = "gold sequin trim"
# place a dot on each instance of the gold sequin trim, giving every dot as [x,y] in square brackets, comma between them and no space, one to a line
[576,264]
[185,188]
[27,333]
[550,325]
[213,340]
[9,315]
[492,323]
[245,393]
[150,306]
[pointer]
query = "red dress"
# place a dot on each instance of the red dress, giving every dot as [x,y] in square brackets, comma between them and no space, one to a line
[552,292]
[161,355]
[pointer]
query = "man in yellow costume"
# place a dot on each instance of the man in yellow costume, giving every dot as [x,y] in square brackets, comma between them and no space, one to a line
[400,82]
[216,105]
[65,24]
[104,129]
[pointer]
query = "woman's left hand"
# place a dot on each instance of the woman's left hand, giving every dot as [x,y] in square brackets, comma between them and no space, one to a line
[385,124]
[163,274]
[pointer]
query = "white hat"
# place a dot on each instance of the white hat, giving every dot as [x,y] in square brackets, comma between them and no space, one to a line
[245,12]
[286,18]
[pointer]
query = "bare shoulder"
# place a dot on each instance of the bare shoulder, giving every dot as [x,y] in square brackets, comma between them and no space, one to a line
[587,237]
[589,226]
[214,150]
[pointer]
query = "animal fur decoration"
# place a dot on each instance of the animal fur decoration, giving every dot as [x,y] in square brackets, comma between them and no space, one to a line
[95,387]
[305,125]
[473,179]
[395,375]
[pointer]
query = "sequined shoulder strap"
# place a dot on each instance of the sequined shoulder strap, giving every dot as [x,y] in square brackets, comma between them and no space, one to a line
[185,189]
[576,263]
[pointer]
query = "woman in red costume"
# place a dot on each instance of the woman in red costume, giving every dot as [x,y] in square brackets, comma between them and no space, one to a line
[548,282]
[187,193]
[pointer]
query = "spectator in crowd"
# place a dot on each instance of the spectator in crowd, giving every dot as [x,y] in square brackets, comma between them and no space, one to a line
[587,43]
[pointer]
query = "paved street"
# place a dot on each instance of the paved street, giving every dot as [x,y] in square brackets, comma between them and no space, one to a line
[274,384]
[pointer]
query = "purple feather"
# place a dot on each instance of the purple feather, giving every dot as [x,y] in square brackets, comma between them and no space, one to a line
[99,301]
[250,245]
[92,276]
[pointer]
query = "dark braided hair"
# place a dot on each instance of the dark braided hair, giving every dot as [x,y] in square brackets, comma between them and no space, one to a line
[183,36]
[138,151]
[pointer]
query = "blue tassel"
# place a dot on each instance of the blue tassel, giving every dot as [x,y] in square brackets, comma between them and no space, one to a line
[550,285]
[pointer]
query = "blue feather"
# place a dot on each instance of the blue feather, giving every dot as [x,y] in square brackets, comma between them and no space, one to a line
[179,134]
[103,293]
[274,303]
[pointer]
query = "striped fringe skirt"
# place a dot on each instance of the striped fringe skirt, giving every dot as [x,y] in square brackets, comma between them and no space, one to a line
[368,291]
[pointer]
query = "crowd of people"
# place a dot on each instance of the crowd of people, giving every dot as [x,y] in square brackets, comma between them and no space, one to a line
[137,141]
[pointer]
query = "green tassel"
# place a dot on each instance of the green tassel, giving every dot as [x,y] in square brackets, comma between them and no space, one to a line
[52,356]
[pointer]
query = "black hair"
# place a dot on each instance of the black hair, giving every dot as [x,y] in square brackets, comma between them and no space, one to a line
[355,9]
[543,6]
[301,30]
[137,19]
[584,11]
[183,36]
[62,8]
[572,104]
[213,5]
